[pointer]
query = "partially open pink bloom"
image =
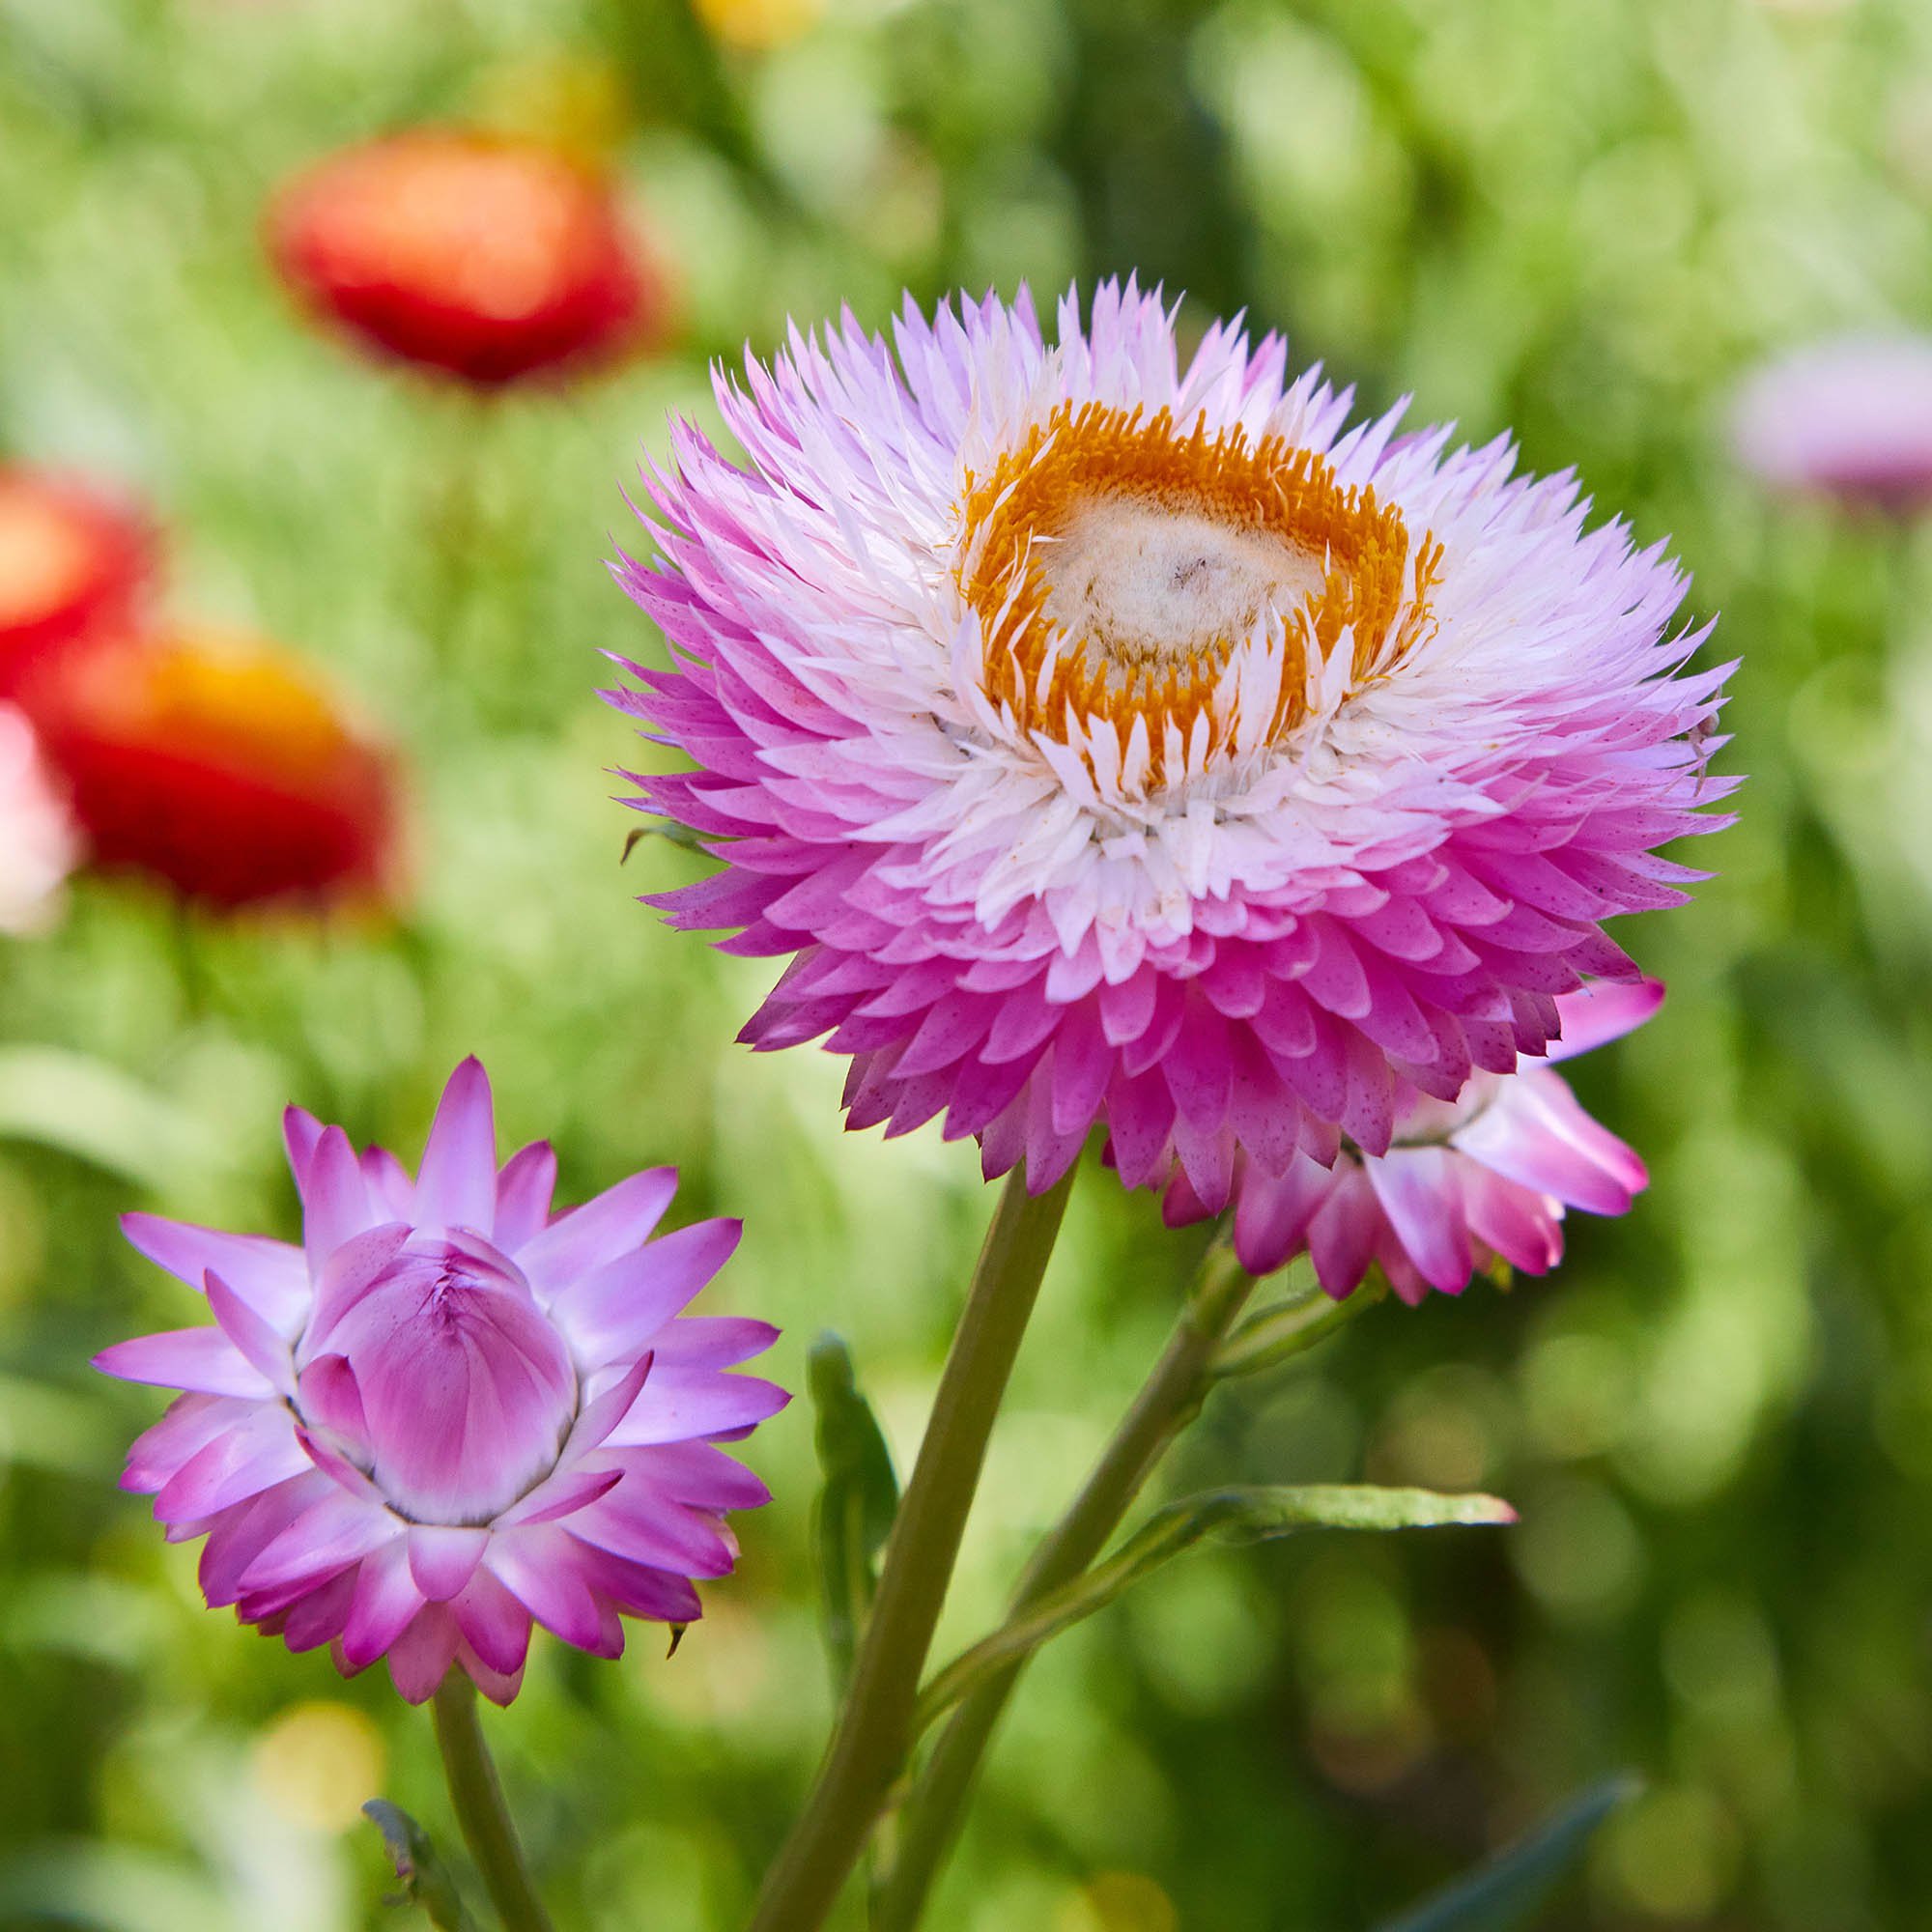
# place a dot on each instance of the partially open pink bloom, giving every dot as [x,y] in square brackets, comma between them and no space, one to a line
[1849,418]
[452,1411]
[1104,736]
[1463,1182]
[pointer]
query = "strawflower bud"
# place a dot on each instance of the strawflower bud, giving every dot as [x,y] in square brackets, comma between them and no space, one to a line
[1486,1177]
[491,258]
[224,768]
[452,1411]
[73,565]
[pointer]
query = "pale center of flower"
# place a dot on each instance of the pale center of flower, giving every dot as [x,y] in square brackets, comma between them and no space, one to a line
[1118,564]
[468,1392]
[1140,585]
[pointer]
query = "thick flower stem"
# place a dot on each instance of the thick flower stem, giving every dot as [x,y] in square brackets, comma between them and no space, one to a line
[874,1729]
[1168,1402]
[478,1800]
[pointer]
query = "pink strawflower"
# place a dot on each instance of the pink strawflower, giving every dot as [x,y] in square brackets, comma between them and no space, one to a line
[1464,1182]
[38,846]
[1109,739]
[451,1410]
[1849,418]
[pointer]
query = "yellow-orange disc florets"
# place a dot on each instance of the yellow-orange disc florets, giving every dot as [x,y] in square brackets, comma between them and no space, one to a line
[1117,563]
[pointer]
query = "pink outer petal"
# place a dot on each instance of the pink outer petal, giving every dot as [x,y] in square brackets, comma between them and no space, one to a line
[612,1316]
[1537,1135]
[582,1240]
[336,1199]
[538,1565]
[300,1131]
[317,1618]
[328,1397]
[639,1523]
[712,1341]
[456,1186]
[190,1424]
[336,1531]
[1418,1191]
[524,1191]
[494,1624]
[259,1451]
[203,1361]
[1525,1228]
[385,1600]
[696,1474]
[266,1351]
[499,1686]
[677,1405]
[1603,1013]
[349,1273]
[270,1276]
[1341,1236]
[1271,1217]
[443,1559]
[602,1412]
[420,1659]
[241,1534]
[563,1494]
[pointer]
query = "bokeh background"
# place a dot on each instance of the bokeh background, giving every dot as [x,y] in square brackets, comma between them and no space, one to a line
[1583,219]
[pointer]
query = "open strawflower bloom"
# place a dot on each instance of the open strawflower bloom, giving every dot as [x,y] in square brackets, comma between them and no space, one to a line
[1108,738]
[1112,739]
[452,1411]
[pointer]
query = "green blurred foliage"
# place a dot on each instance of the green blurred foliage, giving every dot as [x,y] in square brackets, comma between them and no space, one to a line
[1578,219]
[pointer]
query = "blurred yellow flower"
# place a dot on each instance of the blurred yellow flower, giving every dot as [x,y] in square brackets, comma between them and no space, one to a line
[318,1763]
[756,26]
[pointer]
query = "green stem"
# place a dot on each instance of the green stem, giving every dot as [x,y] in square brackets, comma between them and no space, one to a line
[1168,1402]
[874,1730]
[478,1802]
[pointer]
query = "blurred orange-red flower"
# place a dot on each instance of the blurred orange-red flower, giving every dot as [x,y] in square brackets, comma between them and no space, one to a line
[73,564]
[487,256]
[224,767]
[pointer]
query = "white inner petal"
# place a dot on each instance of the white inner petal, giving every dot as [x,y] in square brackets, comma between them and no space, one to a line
[1139,584]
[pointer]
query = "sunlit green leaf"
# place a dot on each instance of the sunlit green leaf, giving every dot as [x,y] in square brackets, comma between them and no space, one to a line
[1232,1514]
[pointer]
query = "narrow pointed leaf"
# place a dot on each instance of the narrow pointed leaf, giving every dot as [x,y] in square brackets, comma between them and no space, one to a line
[1501,1893]
[1231,1515]
[857,1503]
[424,1879]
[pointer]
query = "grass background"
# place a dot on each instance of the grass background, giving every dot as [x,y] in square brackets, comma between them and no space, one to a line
[1581,219]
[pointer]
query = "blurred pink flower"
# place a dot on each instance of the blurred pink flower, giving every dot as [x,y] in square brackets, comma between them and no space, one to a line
[1850,417]
[38,845]
[1489,1174]
[452,1411]
[1104,736]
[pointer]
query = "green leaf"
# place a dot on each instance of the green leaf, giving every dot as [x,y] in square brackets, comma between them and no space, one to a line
[667,829]
[1232,1514]
[1502,1892]
[857,1503]
[424,1879]
[84,1106]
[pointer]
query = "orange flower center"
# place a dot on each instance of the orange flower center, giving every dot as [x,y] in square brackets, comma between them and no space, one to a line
[1117,565]
[45,558]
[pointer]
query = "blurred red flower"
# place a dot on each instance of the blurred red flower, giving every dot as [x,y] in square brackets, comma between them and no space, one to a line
[224,767]
[73,564]
[490,257]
